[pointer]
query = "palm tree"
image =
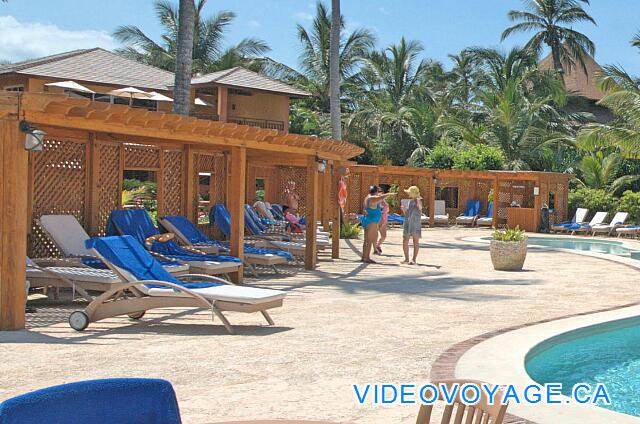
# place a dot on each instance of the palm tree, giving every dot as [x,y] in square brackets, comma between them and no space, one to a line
[602,171]
[314,57]
[334,71]
[636,40]
[184,52]
[465,77]
[392,100]
[552,20]
[209,54]
[623,99]
[517,109]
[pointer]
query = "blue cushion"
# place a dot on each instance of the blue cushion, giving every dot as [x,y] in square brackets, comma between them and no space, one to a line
[138,224]
[125,252]
[121,401]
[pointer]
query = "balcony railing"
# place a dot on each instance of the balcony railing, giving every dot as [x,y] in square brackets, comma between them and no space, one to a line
[262,123]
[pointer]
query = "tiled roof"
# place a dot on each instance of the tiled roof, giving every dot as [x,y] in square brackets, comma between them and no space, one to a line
[576,81]
[243,78]
[94,65]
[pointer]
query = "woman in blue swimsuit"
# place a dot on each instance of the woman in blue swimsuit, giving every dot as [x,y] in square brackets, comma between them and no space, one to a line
[370,220]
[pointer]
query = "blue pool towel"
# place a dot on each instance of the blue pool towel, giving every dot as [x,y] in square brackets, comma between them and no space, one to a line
[118,400]
[137,223]
[195,236]
[255,217]
[125,252]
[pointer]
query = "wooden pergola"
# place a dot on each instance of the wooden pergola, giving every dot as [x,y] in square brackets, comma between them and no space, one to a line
[87,147]
[529,189]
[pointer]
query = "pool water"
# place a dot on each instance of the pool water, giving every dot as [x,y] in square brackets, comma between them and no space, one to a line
[608,354]
[600,246]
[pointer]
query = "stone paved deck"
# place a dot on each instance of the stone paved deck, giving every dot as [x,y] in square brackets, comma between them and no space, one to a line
[344,323]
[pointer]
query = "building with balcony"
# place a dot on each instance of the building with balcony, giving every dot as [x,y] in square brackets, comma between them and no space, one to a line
[233,95]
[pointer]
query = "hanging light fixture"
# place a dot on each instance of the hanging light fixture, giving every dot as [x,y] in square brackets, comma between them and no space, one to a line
[34,140]
[322,164]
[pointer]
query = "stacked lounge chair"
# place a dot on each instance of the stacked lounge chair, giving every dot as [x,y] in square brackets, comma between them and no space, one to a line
[608,229]
[487,220]
[138,224]
[190,235]
[628,230]
[597,219]
[147,285]
[441,216]
[470,214]
[578,218]
[69,237]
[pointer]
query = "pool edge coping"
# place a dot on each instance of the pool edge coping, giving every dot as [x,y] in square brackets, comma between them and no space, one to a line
[444,367]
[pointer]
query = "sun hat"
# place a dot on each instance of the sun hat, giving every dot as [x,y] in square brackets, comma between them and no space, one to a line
[413,192]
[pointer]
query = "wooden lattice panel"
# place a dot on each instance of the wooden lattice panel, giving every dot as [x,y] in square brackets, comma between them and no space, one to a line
[481,192]
[108,187]
[354,198]
[172,173]
[141,156]
[299,176]
[59,183]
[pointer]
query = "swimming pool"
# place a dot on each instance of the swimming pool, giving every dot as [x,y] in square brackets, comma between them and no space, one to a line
[606,353]
[610,247]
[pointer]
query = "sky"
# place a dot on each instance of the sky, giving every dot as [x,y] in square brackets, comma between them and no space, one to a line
[35,28]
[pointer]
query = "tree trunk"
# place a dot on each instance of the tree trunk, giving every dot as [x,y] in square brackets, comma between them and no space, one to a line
[184,58]
[555,54]
[334,71]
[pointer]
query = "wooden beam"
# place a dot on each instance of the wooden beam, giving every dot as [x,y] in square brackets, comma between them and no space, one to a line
[325,197]
[14,165]
[236,195]
[432,201]
[335,213]
[494,217]
[311,204]
[189,186]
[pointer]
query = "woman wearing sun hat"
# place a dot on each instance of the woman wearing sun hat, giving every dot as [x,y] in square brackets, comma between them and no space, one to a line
[412,227]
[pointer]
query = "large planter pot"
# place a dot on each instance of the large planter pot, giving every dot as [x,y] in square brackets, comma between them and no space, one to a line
[508,255]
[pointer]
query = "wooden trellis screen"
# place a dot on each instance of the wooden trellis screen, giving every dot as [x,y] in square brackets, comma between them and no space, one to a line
[214,164]
[297,174]
[81,176]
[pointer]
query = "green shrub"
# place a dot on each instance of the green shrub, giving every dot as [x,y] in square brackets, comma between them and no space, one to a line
[480,157]
[349,231]
[630,202]
[509,234]
[591,198]
[441,156]
[393,201]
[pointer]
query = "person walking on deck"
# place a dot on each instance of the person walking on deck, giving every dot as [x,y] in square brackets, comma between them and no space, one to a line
[412,227]
[370,220]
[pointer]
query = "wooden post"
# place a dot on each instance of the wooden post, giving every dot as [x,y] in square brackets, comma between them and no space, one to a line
[432,200]
[326,215]
[494,217]
[223,96]
[14,165]
[312,213]
[236,195]
[335,213]
[189,186]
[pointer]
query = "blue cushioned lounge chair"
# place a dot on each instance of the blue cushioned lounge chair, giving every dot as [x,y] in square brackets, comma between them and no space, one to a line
[220,215]
[486,220]
[147,285]
[138,224]
[578,218]
[110,401]
[191,236]
[471,213]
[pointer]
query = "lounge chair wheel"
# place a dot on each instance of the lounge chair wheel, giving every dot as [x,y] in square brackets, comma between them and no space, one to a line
[137,315]
[78,320]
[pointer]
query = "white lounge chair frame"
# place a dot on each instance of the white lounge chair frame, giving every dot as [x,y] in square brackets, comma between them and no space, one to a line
[597,219]
[617,221]
[119,301]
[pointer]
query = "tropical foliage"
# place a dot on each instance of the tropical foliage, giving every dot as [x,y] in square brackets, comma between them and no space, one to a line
[209,51]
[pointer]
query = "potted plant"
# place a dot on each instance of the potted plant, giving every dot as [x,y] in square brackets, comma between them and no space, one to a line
[508,249]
